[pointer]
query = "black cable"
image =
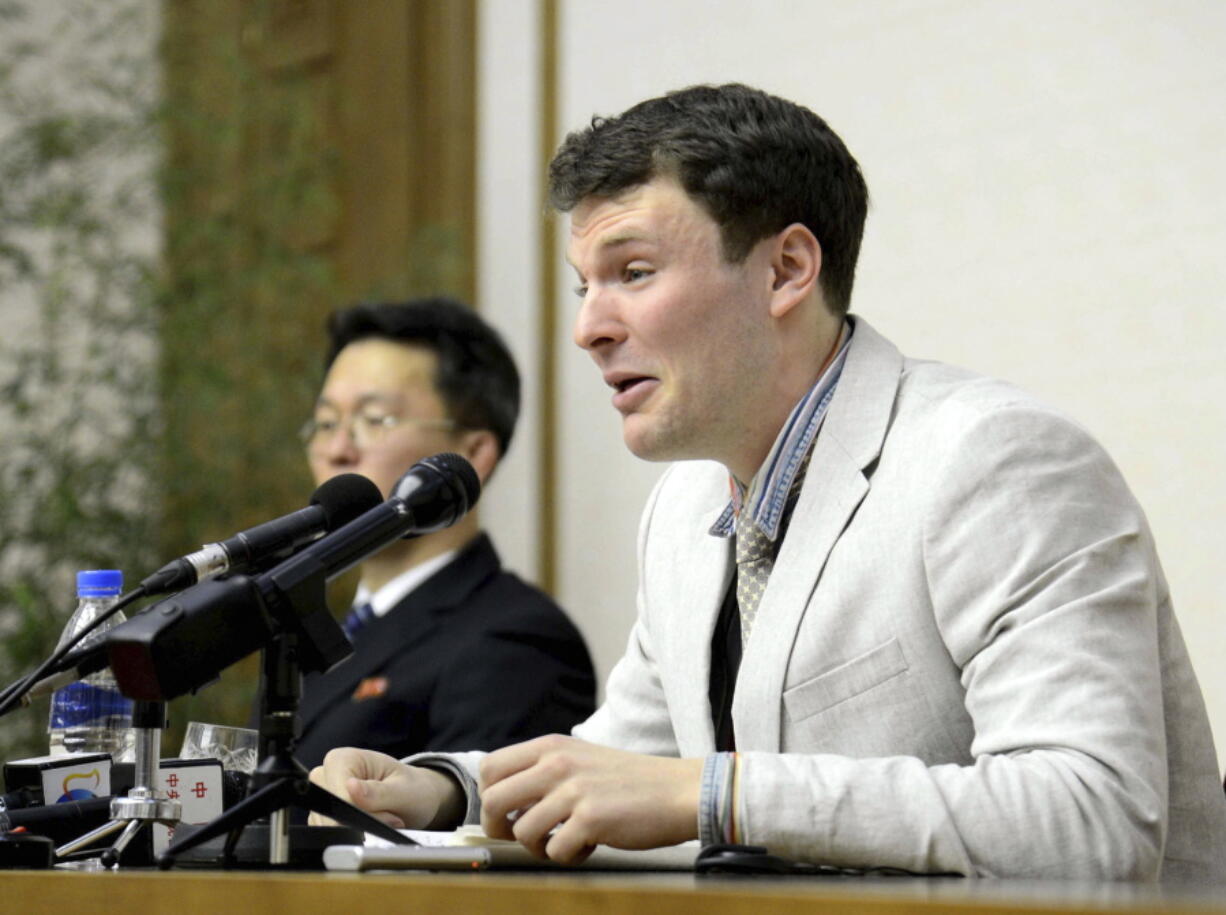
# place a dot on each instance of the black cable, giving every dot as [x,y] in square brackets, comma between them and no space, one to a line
[11,697]
[757,861]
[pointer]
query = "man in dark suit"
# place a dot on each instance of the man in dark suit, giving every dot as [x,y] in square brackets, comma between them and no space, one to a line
[451,652]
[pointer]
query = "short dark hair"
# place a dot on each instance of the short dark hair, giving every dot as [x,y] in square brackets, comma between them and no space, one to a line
[756,163]
[477,378]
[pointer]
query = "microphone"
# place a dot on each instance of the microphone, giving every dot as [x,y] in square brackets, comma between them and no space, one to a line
[183,643]
[335,503]
[61,822]
[435,493]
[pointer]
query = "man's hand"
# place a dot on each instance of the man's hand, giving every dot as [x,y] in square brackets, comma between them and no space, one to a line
[403,797]
[591,794]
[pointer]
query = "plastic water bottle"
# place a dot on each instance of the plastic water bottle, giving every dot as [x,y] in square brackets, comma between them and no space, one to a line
[91,715]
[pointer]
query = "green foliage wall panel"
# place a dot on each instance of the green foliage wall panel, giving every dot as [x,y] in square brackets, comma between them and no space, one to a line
[318,153]
[187,188]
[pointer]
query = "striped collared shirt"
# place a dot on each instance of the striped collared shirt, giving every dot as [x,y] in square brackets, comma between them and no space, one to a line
[767,495]
[721,813]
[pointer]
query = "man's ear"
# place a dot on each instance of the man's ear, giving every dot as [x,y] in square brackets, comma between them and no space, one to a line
[480,446]
[796,261]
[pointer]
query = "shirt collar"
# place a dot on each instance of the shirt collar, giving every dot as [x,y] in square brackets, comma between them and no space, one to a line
[402,585]
[767,493]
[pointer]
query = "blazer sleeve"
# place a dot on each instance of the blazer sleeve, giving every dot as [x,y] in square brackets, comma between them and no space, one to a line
[634,715]
[1045,586]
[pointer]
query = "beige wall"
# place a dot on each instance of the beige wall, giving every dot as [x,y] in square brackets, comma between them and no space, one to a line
[1049,206]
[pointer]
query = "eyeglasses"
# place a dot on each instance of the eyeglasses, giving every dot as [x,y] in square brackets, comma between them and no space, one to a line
[367,430]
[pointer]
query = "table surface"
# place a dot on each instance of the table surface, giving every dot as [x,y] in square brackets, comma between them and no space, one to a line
[188,892]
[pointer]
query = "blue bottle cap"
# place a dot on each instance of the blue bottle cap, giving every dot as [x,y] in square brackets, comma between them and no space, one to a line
[99,583]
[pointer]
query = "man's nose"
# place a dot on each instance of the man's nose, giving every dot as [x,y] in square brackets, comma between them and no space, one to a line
[340,446]
[598,323]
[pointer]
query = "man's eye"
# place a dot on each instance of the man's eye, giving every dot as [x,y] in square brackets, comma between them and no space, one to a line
[326,426]
[634,274]
[581,290]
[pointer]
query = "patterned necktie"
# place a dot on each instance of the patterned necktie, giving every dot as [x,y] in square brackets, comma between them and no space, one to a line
[357,619]
[755,554]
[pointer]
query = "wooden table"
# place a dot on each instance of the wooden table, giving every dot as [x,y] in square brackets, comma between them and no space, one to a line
[195,892]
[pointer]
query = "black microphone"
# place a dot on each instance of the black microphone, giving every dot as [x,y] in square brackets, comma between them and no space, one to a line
[335,503]
[183,643]
[435,493]
[62,822]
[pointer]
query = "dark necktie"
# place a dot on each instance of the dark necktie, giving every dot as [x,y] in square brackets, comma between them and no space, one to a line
[357,619]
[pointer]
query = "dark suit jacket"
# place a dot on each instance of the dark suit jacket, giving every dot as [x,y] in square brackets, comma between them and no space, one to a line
[472,659]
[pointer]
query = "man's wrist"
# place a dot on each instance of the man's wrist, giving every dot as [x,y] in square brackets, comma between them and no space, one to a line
[467,798]
[450,803]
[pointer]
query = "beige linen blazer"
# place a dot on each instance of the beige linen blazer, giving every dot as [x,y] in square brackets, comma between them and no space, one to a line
[966,657]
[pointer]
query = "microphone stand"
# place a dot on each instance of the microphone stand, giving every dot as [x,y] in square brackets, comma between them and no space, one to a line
[144,804]
[280,781]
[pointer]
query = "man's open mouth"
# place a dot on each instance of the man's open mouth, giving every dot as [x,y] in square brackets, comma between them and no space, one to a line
[628,383]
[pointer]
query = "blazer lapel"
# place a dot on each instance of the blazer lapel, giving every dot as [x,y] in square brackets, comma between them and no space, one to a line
[335,687]
[849,441]
[388,634]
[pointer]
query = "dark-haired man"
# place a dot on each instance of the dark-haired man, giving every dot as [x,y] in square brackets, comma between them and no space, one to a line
[890,613]
[450,651]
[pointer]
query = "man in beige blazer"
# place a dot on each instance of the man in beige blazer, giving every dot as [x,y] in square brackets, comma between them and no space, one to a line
[890,613]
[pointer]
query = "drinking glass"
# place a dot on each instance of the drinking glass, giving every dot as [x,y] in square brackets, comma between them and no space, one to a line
[237,748]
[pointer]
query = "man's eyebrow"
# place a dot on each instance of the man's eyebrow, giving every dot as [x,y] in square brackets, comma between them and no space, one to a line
[616,241]
[623,238]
